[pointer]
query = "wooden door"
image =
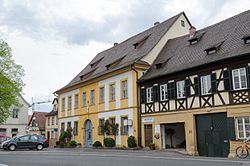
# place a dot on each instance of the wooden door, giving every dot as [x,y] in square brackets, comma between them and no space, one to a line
[148,134]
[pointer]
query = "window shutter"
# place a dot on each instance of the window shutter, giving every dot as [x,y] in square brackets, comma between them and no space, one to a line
[187,88]
[231,128]
[171,90]
[248,76]
[143,96]
[227,80]
[213,83]
[155,93]
[197,86]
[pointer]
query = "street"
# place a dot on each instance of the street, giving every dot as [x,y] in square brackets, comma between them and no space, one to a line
[90,157]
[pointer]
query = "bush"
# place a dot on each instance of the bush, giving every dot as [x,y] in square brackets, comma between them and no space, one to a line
[57,143]
[97,144]
[109,142]
[63,136]
[152,146]
[72,144]
[131,142]
[61,145]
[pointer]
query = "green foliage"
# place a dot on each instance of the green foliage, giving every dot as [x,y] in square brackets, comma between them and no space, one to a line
[131,142]
[109,142]
[72,144]
[152,146]
[58,143]
[97,144]
[109,128]
[63,136]
[11,83]
[69,133]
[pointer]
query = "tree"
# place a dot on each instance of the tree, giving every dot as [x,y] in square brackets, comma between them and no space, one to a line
[11,83]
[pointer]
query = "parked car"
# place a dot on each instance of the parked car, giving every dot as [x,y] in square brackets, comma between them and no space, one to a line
[4,138]
[25,142]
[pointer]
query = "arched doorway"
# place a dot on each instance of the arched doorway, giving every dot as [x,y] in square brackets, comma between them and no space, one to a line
[88,133]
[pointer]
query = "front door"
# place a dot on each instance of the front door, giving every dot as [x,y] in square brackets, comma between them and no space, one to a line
[148,134]
[212,135]
[88,133]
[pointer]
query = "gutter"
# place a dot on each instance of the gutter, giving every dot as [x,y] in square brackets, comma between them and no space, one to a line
[138,108]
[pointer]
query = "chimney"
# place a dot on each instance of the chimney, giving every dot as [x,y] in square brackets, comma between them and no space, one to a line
[115,44]
[156,23]
[192,31]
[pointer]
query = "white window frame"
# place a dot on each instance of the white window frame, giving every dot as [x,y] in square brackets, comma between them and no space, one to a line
[102,92]
[243,125]
[149,94]
[206,85]
[163,92]
[124,89]
[239,77]
[180,89]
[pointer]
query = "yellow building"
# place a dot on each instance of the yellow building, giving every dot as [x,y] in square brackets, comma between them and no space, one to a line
[106,88]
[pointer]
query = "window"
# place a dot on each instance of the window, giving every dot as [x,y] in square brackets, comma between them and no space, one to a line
[84,99]
[24,138]
[62,126]
[112,92]
[92,97]
[182,23]
[15,113]
[124,89]
[239,78]
[69,103]
[180,89]
[76,101]
[100,128]
[53,120]
[149,94]
[2,131]
[33,138]
[48,121]
[112,120]
[206,85]
[101,94]
[76,128]
[164,92]
[243,127]
[63,104]
[14,130]
[33,124]
[68,125]
[124,125]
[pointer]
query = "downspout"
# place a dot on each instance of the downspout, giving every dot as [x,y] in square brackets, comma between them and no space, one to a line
[138,108]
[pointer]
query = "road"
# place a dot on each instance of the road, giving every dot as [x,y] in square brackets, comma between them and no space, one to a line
[74,157]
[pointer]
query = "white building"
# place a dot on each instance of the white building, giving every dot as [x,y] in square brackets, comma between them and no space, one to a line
[18,120]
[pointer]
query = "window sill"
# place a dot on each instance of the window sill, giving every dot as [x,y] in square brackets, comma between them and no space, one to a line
[101,102]
[125,98]
[112,101]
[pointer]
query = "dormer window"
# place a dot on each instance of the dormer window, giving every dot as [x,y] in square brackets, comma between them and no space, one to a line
[158,65]
[246,39]
[107,67]
[140,42]
[94,64]
[213,49]
[193,41]
[115,63]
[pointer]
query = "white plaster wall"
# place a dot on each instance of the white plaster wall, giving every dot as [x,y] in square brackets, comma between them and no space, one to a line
[21,122]
[117,114]
[117,79]
[66,95]
[176,30]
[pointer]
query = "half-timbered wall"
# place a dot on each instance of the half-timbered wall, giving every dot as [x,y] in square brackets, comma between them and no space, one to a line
[221,92]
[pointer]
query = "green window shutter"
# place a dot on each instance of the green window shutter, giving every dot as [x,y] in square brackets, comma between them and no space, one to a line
[187,88]
[227,80]
[171,90]
[143,95]
[231,128]
[213,83]
[197,86]
[155,93]
[248,76]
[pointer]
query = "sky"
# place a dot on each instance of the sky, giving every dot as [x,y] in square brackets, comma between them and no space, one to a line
[55,40]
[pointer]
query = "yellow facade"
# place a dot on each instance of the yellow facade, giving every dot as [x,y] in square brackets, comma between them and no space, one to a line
[93,112]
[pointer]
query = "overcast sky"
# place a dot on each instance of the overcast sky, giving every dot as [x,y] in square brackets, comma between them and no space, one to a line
[55,39]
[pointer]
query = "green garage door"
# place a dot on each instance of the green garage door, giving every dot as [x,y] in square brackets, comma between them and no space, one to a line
[212,135]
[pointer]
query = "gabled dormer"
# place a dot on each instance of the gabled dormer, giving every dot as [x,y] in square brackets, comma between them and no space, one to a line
[195,39]
[160,65]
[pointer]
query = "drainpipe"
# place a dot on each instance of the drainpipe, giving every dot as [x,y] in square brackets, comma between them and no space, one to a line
[138,108]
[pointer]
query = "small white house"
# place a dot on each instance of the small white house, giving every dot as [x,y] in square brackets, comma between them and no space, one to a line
[18,120]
